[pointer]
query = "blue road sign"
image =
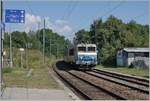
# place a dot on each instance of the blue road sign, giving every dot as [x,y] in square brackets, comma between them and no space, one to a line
[14,16]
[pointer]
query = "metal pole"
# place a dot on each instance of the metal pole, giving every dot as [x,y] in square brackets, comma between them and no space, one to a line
[38,31]
[95,32]
[26,56]
[21,59]
[95,25]
[57,50]
[44,43]
[1,19]
[11,62]
[50,47]
[67,50]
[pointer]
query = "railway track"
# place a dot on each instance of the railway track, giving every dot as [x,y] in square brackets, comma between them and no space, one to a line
[120,90]
[95,88]
[132,85]
[133,79]
[85,88]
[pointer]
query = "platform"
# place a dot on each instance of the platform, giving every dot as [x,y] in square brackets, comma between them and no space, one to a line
[34,94]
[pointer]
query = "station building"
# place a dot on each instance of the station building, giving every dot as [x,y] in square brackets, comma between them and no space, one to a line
[126,56]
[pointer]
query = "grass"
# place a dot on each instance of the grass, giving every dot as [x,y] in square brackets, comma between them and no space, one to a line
[39,77]
[7,70]
[126,70]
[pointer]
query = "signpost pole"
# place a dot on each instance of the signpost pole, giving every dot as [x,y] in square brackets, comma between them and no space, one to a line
[44,43]
[1,23]
[14,16]
[11,62]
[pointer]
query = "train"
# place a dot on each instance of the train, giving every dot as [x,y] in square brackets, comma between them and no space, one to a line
[83,55]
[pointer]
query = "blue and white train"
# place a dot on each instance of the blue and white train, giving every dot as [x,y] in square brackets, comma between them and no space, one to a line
[83,55]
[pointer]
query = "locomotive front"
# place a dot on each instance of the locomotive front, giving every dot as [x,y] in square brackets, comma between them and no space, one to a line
[86,55]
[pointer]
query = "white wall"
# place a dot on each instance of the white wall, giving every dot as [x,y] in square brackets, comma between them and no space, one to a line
[130,58]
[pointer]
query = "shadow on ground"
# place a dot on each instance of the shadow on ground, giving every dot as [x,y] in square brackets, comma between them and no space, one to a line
[62,65]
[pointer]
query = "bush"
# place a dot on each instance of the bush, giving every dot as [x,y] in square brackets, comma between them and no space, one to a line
[7,70]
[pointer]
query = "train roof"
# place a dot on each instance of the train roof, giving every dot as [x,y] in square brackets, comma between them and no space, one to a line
[94,45]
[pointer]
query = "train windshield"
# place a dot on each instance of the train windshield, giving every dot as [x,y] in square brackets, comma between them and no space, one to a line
[81,49]
[91,49]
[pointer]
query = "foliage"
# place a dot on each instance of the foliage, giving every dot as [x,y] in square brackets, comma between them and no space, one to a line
[53,42]
[83,36]
[112,34]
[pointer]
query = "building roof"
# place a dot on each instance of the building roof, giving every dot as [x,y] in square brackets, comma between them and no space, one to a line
[136,49]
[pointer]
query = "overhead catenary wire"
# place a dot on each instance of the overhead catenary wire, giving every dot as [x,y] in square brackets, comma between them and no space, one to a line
[114,8]
[110,10]
[27,2]
[71,7]
[68,7]
[97,13]
[140,15]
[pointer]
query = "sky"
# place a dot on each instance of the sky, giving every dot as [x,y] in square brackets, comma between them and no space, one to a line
[67,17]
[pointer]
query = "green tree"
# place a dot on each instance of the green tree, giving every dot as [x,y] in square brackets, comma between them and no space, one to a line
[82,36]
[112,34]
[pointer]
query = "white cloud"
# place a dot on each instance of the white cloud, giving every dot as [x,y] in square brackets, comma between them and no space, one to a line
[32,19]
[66,28]
[31,22]
[62,27]
[61,22]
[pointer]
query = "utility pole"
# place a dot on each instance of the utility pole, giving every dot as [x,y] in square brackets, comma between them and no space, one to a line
[44,43]
[21,60]
[1,31]
[68,50]
[38,25]
[57,50]
[11,62]
[50,48]
[95,25]
[26,55]
[38,31]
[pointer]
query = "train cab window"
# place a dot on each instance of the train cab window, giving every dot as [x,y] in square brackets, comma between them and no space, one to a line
[91,49]
[81,49]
